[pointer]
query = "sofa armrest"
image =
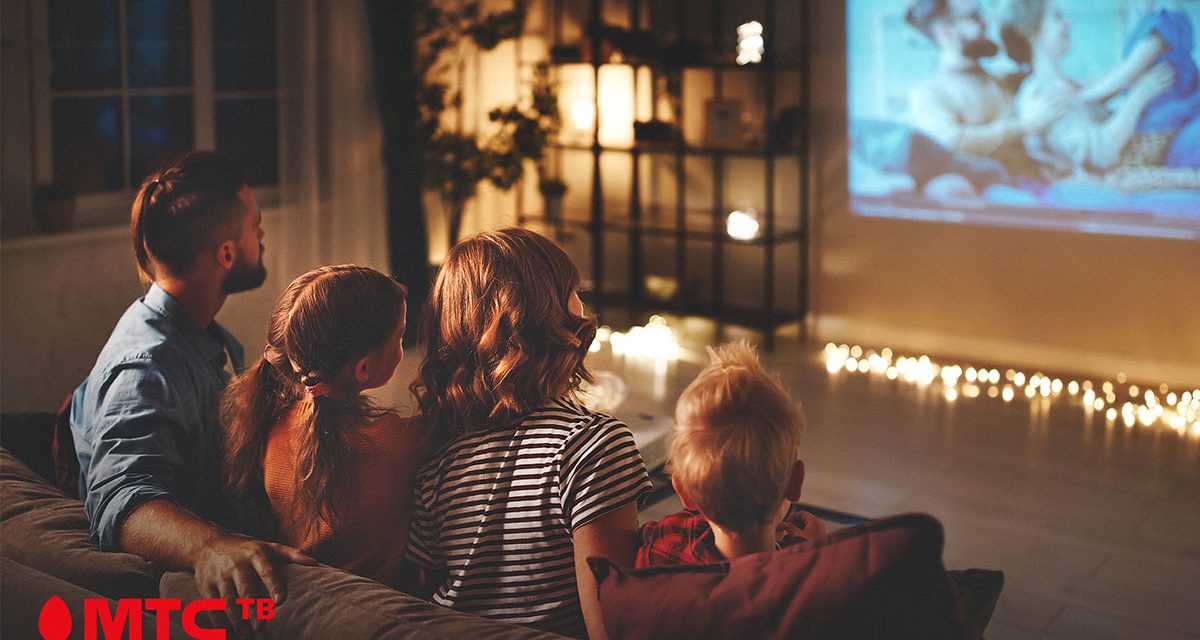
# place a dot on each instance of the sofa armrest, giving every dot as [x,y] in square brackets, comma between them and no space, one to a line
[48,531]
[26,591]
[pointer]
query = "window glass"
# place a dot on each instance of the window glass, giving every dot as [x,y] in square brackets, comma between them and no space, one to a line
[123,100]
[84,45]
[159,33]
[244,45]
[160,129]
[87,143]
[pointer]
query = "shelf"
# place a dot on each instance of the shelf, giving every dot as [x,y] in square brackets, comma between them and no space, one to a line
[704,61]
[757,318]
[660,208]
[670,148]
[690,233]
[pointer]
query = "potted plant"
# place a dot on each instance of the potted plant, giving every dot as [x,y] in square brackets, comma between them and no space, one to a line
[456,161]
[54,207]
[552,190]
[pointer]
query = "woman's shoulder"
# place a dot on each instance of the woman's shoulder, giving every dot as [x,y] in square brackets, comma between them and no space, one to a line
[570,416]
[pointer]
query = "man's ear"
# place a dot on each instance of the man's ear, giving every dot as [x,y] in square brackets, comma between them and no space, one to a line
[226,254]
[683,495]
[795,482]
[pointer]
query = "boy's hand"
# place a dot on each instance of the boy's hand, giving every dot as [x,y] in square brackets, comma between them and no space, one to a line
[800,526]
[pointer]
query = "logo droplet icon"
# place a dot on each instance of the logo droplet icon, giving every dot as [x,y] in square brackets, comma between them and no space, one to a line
[55,620]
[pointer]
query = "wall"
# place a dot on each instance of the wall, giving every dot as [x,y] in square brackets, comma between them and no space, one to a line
[1067,302]
[63,295]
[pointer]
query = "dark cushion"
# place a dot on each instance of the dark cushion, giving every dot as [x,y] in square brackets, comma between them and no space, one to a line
[26,592]
[324,602]
[884,579]
[980,591]
[29,436]
[45,530]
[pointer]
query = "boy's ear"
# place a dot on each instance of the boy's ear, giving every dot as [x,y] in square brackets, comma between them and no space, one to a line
[795,482]
[683,495]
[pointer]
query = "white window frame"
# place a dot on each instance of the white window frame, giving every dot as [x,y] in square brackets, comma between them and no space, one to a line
[109,208]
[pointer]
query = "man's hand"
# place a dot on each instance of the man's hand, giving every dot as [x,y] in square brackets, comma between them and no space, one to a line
[227,566]
[232,567]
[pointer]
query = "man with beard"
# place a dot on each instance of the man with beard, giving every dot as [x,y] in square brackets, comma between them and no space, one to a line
[145,422]
[963,107]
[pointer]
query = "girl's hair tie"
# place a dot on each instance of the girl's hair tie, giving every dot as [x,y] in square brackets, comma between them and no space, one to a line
[317,390]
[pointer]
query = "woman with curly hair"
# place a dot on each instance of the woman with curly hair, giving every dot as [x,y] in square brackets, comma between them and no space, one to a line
[527,482]
[337,470]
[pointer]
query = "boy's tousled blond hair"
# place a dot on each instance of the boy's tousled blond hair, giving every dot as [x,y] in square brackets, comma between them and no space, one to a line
[736,439]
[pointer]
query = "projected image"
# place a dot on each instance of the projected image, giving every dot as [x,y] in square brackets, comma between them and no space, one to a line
[1060,114]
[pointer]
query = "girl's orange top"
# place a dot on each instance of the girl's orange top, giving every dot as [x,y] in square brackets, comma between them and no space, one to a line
[374,506]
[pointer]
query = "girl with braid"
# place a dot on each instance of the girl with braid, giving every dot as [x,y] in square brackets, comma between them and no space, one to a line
[337,470]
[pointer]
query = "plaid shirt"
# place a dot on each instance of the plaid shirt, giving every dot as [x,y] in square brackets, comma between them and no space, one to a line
[686,538]
[680,538]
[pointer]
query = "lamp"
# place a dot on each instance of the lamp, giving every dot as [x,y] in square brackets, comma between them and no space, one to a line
[616,109]
[743,224]
[750,44]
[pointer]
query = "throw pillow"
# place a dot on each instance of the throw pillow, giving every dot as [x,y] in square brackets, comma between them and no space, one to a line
[883,579]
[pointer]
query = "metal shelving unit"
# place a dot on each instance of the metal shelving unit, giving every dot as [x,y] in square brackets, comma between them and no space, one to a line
[689,233]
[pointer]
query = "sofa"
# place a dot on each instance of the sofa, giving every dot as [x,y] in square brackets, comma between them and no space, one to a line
[45,552]
[876,580]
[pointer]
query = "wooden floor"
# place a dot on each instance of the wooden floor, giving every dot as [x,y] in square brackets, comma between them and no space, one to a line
[1096,526]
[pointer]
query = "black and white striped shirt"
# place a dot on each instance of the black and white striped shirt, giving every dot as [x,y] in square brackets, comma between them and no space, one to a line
[496,511]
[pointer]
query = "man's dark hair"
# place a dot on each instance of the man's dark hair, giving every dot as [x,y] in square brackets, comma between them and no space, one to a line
[922,14]
[184,209]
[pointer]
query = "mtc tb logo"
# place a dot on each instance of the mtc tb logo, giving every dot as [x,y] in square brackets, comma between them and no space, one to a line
[99,621]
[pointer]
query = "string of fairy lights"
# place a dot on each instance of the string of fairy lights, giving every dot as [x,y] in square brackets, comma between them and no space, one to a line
[1117,400]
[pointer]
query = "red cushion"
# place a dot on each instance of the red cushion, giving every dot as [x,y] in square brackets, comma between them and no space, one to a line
[884,579]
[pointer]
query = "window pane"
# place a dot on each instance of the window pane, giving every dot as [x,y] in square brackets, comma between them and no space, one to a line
[160,128]
[248,130]
[244,45]
[87,144]
[84,45]
[160,43]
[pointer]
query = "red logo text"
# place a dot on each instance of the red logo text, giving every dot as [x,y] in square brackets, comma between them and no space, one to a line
[101,621]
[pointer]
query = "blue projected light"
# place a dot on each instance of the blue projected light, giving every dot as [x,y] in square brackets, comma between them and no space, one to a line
[1083,118]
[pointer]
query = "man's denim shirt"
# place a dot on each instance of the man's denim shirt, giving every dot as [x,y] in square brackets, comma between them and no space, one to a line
[146,420]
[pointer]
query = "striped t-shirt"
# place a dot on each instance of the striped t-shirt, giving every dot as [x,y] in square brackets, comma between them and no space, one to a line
[495,512]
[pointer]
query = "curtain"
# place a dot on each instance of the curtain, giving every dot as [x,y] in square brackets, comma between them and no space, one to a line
[332,179]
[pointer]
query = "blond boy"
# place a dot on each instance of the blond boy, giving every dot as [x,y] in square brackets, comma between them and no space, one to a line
[735,466]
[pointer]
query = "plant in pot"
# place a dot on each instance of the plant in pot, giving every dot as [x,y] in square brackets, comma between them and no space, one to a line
[54,207]
[552,190]
[456,161]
